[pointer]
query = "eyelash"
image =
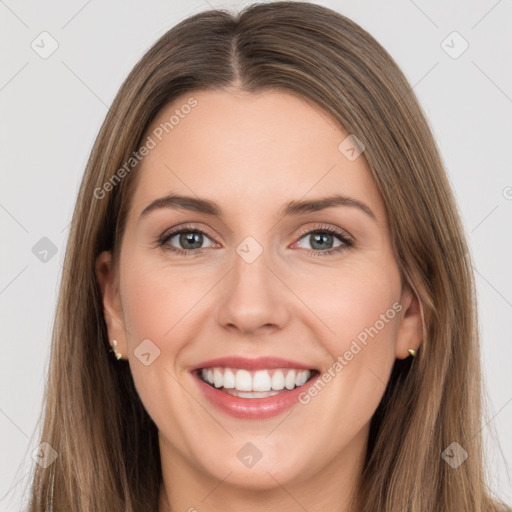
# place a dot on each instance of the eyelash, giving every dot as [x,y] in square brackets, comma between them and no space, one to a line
[346,242]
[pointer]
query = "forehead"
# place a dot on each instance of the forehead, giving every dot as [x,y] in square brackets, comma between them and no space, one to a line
[249,151]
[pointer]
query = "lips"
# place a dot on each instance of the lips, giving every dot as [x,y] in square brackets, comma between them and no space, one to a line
[253,388]
[260,363]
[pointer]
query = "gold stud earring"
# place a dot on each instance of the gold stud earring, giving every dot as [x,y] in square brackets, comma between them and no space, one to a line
[116,353]
[412,352]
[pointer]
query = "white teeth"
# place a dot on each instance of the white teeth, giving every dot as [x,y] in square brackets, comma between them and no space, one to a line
[252,394]
[289,380]
[243,380]
[278,380]
[229,379]
[260,381]
[217,378]
[301,378]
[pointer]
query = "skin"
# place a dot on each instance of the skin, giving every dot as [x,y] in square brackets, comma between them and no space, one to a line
[252,153]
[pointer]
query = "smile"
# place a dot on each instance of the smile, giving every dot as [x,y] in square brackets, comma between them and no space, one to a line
[256,383]
[253,388]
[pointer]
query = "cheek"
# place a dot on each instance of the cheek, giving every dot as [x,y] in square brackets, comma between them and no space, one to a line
[155,307]
[357,301]
[360,306]
[362,353]
[158,305]
[158,302]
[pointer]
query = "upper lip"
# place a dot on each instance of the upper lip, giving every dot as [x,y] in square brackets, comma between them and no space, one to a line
[258,363]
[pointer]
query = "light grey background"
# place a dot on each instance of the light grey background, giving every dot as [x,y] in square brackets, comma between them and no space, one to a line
[51,111]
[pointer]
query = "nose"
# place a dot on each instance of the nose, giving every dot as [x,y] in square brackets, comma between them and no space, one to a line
[253,300]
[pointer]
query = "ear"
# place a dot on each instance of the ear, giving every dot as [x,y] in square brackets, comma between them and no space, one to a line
[112,310]
[410,328]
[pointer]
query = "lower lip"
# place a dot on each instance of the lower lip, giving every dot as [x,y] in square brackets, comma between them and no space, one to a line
[253,408]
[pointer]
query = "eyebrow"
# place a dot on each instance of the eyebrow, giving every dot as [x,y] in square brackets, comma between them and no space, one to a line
[293,208]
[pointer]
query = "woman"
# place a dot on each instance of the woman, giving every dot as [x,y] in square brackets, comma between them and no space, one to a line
[249,371]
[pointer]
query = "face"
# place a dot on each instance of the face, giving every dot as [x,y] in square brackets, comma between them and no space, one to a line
[277,285]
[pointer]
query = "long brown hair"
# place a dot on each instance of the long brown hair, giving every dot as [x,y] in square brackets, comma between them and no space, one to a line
[107,445]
